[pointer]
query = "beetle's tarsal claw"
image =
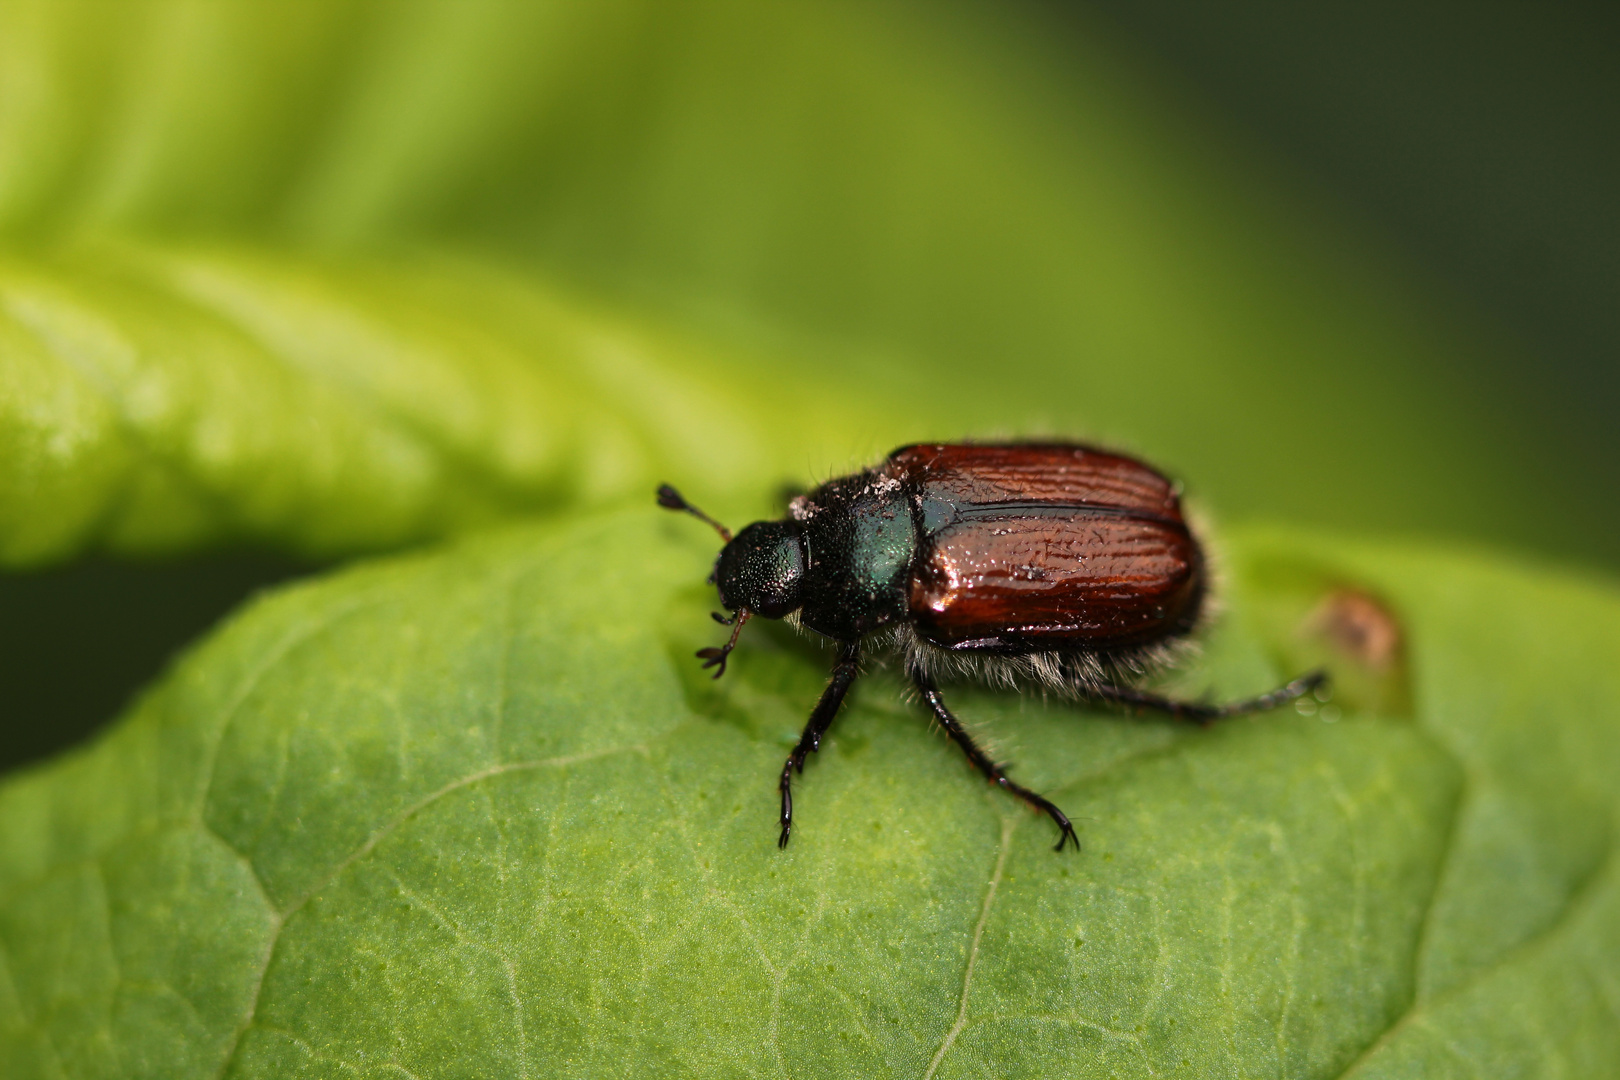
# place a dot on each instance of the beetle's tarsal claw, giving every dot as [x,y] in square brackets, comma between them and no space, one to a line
[712,658]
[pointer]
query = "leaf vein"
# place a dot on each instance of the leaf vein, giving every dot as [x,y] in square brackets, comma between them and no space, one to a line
[289,641]
[135,437]
[1416,1013]
[279,920]
[1008,826]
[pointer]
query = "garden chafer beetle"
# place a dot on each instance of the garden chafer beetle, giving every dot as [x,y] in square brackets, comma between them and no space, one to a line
[1051,564]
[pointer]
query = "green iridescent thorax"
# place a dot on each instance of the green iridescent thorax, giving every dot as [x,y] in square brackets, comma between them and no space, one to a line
[860,541]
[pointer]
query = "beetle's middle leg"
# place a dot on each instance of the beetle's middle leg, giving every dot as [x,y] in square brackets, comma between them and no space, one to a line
[983,761]
[843,676]
[1206,714]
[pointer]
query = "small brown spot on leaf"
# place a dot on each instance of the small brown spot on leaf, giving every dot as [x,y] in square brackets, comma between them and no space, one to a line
[1360,627]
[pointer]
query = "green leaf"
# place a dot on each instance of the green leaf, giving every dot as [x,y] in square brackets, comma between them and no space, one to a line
[478,812]
[157,399]
[287,273]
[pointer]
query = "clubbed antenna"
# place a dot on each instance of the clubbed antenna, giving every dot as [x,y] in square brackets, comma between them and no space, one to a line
[670,499]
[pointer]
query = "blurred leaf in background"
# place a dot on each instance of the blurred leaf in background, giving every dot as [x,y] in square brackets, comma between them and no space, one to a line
[943,219]
[1472,139]
[288,284]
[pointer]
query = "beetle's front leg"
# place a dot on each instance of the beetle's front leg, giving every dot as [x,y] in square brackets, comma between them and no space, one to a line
[1206,714]
[983,761]
[843,676]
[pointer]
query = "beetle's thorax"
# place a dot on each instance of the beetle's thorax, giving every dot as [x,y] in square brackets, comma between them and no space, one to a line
[859,540]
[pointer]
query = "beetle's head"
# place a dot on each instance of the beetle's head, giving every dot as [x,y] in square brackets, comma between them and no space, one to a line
[762,569]
[759,572]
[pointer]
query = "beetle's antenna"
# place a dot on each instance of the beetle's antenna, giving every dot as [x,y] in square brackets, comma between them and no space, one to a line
[670,499]
[717,657]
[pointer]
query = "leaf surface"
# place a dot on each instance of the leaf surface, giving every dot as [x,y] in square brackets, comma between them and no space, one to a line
[478,812]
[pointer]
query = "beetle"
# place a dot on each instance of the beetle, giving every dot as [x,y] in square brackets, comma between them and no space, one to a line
[1052,564]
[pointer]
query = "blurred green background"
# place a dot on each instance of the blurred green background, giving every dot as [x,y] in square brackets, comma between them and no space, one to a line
[1352,265]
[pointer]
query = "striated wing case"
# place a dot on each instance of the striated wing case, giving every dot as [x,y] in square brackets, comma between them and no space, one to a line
[1046,546]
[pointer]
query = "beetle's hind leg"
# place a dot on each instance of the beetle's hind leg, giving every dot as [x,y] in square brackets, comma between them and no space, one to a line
[843,676]
[983,761]
[1206,714]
